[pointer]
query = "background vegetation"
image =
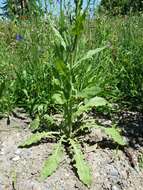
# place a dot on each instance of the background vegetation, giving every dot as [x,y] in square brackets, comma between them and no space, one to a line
[115,7]
[24,68]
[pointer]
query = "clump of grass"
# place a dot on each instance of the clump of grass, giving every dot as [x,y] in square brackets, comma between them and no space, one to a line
[28,62]
[119,69]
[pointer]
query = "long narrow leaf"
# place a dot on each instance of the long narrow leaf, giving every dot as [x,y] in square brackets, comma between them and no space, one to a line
[35,138]
[115,135]
[53,161]
[81,165]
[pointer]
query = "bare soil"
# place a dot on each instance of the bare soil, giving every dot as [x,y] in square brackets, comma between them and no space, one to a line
[20,168]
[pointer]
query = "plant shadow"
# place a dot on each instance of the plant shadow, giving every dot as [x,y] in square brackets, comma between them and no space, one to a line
[132,125]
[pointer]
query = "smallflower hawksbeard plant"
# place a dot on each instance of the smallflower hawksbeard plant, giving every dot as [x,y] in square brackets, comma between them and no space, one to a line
[72,97]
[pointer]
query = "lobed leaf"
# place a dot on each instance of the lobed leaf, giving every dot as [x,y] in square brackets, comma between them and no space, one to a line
[53,161]
[115,135]
[35,138]
[83,169]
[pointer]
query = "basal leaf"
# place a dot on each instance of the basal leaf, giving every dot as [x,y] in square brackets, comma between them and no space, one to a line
[53,161]
[81,165]
[34,125]
[35,138]
[115,135]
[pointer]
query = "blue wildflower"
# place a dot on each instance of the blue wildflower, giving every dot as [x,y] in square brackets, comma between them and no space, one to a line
[19,37]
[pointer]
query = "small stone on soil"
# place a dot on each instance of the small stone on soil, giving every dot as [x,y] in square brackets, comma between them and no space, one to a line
[16,158]
[18,151]
[115,187]
[114,173]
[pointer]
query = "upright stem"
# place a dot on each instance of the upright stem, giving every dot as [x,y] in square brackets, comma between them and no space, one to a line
[68,118]
[71,57]
[61,15]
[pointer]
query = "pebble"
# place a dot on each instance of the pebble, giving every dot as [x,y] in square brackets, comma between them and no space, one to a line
[18,151]
[16,158]
[105,122]
[2,152]
[26,153]
[114,172]
[137,146]
[114,187]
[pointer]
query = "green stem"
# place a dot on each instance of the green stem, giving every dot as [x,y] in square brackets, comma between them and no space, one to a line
[68,118]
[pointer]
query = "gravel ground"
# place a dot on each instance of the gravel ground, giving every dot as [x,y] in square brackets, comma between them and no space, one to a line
[20,168]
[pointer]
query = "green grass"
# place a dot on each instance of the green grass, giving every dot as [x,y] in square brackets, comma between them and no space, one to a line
[120,68]
[25,67]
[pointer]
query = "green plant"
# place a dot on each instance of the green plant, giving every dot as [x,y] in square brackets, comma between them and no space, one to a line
[74,93]
[140,160]
[21,9]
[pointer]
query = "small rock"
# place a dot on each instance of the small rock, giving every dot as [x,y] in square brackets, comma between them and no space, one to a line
[114,173]
[115,187]
[105,122]
[124,184]
[18,151]
[2,152]
[26,153]
[137,146]
[16,158]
